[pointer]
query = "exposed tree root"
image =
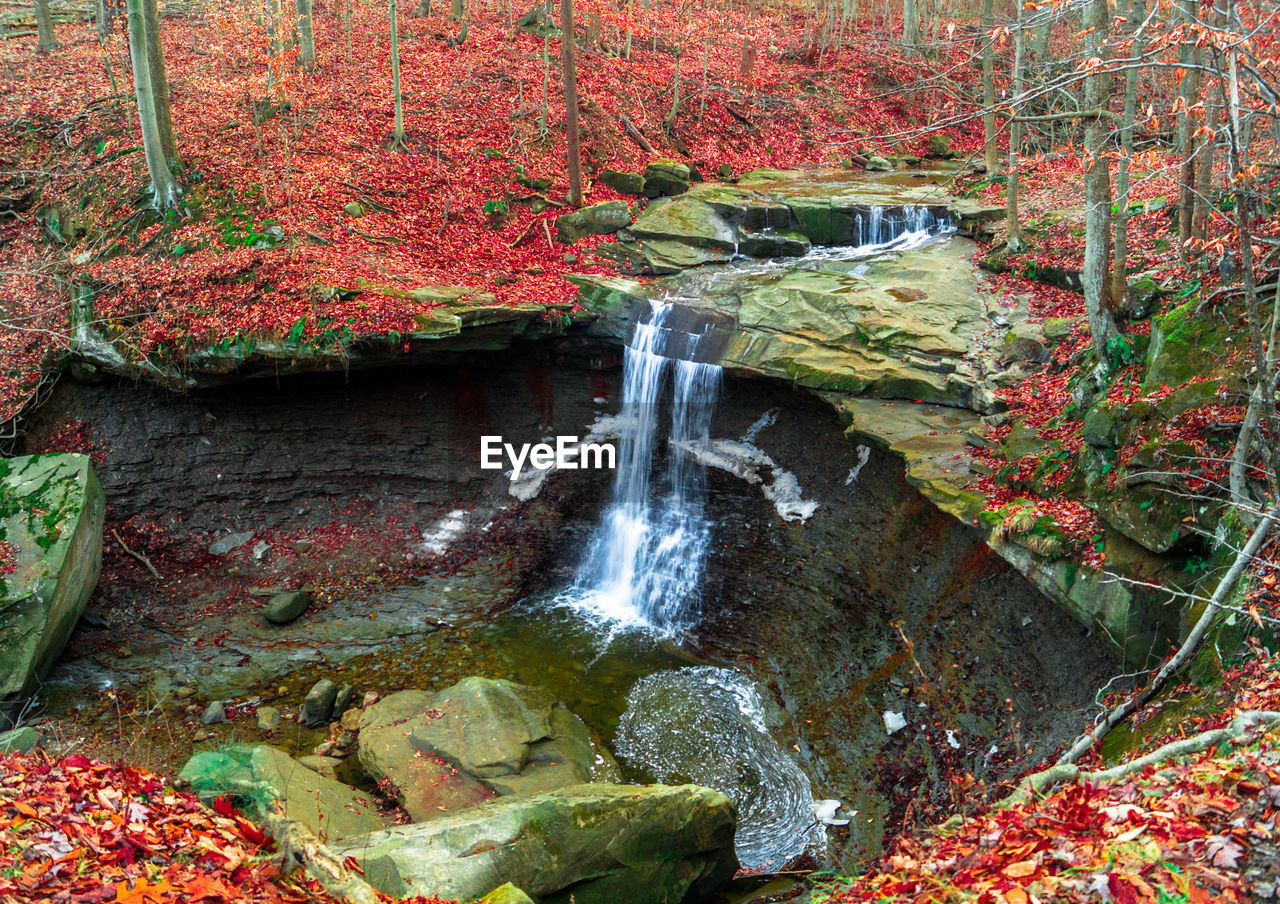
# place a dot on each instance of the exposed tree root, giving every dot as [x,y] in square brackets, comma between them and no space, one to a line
[301,847]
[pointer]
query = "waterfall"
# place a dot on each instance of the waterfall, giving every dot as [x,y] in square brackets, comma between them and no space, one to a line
[644,563]
[881,225]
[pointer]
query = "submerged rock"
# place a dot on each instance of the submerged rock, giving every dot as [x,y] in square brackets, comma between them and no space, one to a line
[51,509]
[479,738]
[214,714]
[602,844]
[260,778]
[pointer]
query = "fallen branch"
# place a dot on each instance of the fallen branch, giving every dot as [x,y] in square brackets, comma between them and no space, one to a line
[140,557]
[523,235]
[547,229]
[445,221]
[1094,736]
[634,134]
[1041,782]
[377,239]
[301,846]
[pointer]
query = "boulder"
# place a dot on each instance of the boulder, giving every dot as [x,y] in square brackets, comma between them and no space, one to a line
[506,894]
[626,183]
[600,844]
[19,740]
[878,164]
[427,787]
[598,219]
[664,178]
[1025,342]
[285,607]
[939,146]
[773,244]
[51,509]
[317,706]
[259,778]
[689,221]
[469,742]
[1142,298]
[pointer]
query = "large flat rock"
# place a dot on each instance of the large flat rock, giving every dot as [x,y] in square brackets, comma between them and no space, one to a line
[51,509]
[592,844]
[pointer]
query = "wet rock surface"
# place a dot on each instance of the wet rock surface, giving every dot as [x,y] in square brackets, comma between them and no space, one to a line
[593,844]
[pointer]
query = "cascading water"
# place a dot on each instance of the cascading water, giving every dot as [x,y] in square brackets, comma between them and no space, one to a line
[644,564]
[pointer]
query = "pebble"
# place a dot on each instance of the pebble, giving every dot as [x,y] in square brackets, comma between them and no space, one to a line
[317,708]
[214,713]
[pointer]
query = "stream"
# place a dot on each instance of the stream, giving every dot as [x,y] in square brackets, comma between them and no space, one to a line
[723,608]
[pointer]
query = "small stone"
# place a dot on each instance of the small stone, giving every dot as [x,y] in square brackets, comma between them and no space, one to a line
[571,258]
[725,171]
[893,721]
[214,713]
[303,546]
[317,708]
[228,542]
[350,720]
[268,718]
[19,740]
[325,748]
[184,692]
[261,551]
[370,698]
[353,209]
[345,739]
[285,607]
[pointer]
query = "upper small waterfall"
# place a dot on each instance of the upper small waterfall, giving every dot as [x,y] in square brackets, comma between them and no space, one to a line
[644,564]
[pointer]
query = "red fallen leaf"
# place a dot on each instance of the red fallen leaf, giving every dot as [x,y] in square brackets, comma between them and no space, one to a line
[142,892]
[99,895]
[202,887]
[76,761]
[223,807]
[1122,891]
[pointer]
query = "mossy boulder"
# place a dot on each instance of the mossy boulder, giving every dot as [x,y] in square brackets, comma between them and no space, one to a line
[626,183]
[592,844]
[51,509]
[689,221]
[1101,425]
[939,146]
[261,778]
[1143,295]
[664,178]
[773,244]
[1185,346]
[598,219]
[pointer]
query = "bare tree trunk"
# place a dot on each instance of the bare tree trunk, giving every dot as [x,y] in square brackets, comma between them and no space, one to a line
[990,152]
[1188,89]
[306,36]
[1043,32]
[1119,274]
[397,137]
[910,24]
[164,187]
[567,39]
[546,79]
[458,10]
[1204,173]
[1097,191]
[1013,229]
[160,84]
[45,41]
[675,95]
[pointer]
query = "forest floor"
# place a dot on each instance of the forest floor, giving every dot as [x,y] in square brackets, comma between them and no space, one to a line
[268,243]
